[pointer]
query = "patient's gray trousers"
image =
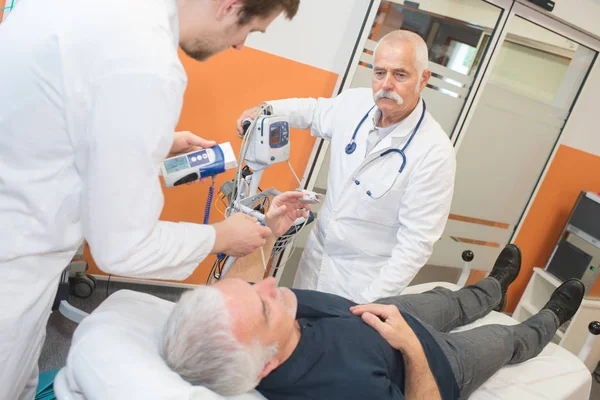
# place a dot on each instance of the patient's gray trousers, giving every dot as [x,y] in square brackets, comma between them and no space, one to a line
[476,354]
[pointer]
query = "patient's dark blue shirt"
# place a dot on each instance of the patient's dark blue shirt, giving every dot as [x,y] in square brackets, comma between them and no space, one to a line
[341,357]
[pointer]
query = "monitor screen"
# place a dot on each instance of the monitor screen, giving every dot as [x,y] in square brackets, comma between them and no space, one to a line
[586,216]
[176,164]
[275,135]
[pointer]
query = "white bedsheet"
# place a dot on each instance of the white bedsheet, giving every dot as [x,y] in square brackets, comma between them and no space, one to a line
[114,355]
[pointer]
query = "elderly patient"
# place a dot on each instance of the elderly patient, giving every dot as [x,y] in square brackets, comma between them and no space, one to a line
[297,344]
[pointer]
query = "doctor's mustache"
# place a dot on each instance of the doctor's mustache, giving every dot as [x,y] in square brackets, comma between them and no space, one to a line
[387,94]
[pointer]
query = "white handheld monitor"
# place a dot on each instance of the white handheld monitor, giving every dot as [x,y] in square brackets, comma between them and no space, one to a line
[198,164]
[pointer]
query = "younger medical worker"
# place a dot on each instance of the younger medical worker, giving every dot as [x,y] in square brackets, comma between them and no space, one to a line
[391,177]
[91,92]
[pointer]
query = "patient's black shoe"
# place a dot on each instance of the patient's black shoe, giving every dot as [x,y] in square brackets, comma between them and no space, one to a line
[566,299]
[506,269]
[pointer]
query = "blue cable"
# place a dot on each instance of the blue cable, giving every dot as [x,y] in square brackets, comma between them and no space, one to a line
[211,193]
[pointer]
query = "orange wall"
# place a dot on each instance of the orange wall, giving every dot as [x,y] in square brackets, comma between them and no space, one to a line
[570,172]
[218,91]
[2,5]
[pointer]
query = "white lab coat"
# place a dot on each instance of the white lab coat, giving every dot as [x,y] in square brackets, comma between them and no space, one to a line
[90,94]
[364,248]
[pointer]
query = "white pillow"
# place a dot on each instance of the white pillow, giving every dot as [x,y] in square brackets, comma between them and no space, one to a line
[115,355]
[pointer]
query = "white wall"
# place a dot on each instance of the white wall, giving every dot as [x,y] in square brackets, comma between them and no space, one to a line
[322,34]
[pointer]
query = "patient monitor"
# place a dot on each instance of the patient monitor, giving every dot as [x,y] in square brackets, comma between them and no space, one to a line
[269,142]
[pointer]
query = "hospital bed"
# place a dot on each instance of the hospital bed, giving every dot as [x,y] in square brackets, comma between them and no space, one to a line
[114,355]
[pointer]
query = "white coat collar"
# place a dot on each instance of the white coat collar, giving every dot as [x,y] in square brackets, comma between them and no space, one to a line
[172,14]
[405,126]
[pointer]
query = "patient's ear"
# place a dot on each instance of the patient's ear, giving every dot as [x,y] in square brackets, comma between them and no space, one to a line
[269,366]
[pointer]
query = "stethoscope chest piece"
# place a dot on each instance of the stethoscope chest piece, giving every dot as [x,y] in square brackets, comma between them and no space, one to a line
[350,147]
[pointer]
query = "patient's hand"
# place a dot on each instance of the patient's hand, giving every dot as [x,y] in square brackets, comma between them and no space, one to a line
[387,320]
[284,210]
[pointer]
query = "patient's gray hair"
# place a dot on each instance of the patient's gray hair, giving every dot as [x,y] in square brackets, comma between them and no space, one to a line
[421,52]
[197,342]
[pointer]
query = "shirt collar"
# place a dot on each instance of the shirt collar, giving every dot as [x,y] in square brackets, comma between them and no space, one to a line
[405,126]
[302,359]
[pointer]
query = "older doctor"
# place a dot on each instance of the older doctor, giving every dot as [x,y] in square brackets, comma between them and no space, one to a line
[91,92]
[391,177]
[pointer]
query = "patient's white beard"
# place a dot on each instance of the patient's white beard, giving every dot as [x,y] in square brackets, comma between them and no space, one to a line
[288,308]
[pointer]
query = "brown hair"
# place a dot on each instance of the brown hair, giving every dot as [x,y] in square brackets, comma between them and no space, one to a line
[265,8]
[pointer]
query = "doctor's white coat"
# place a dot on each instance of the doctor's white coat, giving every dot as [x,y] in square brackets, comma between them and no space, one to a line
[90,94]
[369,247]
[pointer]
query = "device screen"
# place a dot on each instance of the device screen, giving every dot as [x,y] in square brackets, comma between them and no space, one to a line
[275,135]
[176,164]
[585,216]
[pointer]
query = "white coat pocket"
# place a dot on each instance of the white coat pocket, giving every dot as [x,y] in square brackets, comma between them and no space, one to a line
[380,195]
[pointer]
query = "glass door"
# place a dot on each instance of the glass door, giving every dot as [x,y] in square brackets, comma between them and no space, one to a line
[503,146]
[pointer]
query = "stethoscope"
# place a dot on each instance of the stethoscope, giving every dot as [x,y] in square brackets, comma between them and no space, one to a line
[351,147]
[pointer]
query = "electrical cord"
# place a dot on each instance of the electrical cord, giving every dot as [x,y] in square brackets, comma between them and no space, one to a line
[219,197]
[293,242]
[262,253]
[294,172]
[216,271]
[211,193]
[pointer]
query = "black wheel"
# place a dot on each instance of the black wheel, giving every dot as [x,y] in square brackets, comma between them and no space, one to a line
[82,287]
[94,282]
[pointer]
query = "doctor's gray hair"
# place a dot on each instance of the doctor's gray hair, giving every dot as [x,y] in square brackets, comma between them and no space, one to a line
[197,342]
[421,52]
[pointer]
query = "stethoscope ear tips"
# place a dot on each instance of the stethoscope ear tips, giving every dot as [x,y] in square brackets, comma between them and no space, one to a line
[350,147]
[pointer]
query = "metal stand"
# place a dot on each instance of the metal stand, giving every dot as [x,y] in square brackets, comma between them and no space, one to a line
[249,199]
[467,257]
[594,328]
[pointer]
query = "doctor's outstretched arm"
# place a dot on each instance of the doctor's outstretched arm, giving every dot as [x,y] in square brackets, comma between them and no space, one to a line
[303,113]
[423,214]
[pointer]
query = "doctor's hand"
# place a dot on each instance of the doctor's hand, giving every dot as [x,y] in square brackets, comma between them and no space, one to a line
[284,210]
[239,235]
[389,323]
[251,113]
[186,141]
